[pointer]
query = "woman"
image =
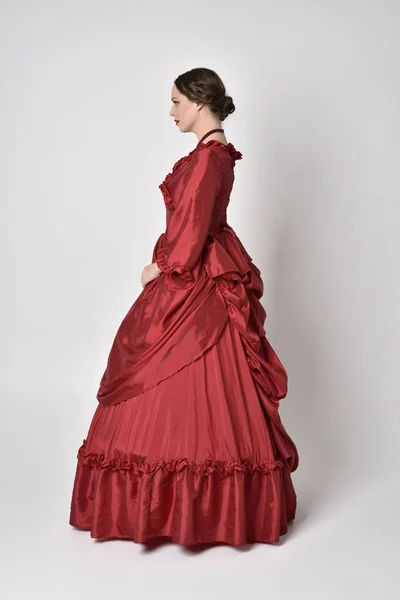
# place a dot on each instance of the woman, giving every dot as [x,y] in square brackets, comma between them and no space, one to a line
[186,441]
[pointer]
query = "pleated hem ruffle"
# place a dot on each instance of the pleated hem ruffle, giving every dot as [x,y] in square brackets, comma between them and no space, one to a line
[235,504]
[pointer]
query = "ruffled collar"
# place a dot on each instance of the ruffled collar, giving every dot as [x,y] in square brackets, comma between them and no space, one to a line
[235,154]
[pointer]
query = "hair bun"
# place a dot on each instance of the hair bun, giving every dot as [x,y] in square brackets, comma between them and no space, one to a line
[227,107]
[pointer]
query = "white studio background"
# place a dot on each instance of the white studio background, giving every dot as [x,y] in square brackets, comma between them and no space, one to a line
[85,140]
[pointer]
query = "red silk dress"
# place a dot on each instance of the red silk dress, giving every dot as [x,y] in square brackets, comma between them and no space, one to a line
[186,440]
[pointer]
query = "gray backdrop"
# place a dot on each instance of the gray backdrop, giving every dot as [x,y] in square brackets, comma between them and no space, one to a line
[85,140]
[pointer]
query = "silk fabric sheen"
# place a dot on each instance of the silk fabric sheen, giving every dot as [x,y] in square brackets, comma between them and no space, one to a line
[168,346]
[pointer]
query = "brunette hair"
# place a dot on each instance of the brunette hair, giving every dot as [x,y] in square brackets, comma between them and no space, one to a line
[205,86]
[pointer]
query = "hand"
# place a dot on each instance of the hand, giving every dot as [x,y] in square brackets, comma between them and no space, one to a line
[149,273]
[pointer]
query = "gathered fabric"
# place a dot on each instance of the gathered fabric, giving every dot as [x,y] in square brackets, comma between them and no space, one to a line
[186,440]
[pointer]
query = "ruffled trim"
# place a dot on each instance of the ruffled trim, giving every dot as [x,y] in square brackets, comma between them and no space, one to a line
[164,185]
[123,462]
[235,155]
[165,192]
[161,259]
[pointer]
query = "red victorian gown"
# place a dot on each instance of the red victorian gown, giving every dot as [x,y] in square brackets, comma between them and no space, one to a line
[186,440]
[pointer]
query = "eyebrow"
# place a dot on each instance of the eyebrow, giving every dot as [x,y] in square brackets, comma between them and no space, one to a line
[173,98]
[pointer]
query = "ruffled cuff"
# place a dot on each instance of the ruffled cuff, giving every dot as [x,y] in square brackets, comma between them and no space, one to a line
[161,259]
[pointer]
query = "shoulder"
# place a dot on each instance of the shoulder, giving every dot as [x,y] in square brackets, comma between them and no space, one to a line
[208,159]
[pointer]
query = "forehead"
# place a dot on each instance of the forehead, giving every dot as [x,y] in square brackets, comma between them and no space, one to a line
[175,93]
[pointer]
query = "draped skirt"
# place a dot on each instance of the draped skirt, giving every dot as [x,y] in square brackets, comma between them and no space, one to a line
[201,457]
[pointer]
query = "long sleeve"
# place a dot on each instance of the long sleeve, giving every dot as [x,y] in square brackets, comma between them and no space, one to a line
[189,223]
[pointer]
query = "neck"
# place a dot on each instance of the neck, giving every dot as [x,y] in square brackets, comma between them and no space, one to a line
[206,127]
